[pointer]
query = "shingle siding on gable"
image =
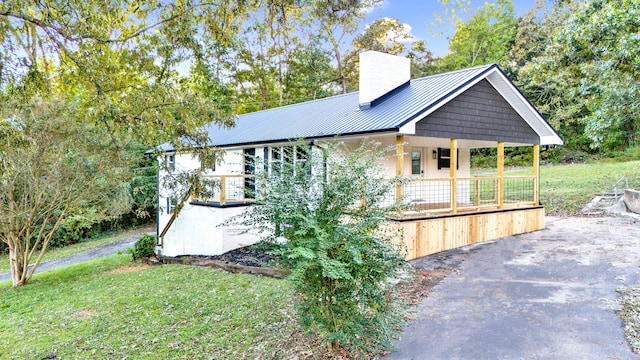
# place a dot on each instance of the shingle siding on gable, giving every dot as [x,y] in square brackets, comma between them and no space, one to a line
[480,113]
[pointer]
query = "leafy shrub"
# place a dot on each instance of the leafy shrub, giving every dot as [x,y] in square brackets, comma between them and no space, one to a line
[144,247]
[341,260]
[72,230]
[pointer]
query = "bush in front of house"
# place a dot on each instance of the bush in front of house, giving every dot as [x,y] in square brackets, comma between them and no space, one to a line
[328,204]
[144,247]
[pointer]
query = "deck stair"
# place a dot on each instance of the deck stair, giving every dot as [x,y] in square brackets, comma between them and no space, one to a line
[599,205]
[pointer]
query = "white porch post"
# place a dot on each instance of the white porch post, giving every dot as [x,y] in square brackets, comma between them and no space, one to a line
[501,174]
[453,172]
[399,168]
[536,174]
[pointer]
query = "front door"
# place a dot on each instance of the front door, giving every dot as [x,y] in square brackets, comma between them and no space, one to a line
[249,169]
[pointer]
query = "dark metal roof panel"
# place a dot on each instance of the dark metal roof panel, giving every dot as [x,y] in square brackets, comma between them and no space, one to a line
[341,115]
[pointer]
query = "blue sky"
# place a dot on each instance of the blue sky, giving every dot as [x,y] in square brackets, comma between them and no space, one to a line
[419,15]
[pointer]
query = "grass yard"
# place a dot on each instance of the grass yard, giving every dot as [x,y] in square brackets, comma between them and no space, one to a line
[565,189]
[84,245]
[106,309]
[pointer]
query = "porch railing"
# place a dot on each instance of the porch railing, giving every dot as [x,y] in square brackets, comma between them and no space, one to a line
[432,194]
[227,189]
[475,193]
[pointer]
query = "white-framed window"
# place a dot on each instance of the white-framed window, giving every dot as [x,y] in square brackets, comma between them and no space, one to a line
[289,155]
[171,205]
[170,162]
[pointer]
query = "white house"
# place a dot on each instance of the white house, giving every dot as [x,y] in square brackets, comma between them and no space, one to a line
[435,122]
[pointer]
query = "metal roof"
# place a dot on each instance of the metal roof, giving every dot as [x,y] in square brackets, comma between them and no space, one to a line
[342,115]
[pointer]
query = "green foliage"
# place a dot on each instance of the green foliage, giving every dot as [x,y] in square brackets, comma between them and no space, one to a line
[513,156]
[52,168]
[485,38]
[329,209]
[631,153]
[592,68]
[74,228]
[144,247]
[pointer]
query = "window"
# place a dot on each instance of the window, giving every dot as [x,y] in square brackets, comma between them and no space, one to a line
[276,164]
[266,159]
[288,158]
[170,162]
[444,158]
[171,205]
[416,162]
[302,155]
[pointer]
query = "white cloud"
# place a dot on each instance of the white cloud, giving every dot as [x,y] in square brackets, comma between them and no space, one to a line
[381,5]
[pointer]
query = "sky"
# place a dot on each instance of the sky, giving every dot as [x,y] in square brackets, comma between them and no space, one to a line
[419,15]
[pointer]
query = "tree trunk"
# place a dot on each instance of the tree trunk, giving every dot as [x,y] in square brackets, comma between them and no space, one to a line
[17,272]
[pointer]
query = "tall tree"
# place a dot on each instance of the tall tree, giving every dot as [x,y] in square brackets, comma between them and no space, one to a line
[485,38]
[536,30]
[122,55]
[384,35]
[92,70]
[52,166]
[422,61]
[592,62]
[336,19]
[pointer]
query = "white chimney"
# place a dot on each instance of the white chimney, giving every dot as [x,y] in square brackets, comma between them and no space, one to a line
[381,73]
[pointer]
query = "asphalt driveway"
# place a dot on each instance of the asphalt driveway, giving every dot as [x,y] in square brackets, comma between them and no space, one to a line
[550,294]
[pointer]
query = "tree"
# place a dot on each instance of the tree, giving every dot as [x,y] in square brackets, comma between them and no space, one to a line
[340,256]
[335,20]
[422,61]
[310,74]
[535,33]
[592,62]
[384,35]
[111,71]
[121,56]
[485,38]
[51,166]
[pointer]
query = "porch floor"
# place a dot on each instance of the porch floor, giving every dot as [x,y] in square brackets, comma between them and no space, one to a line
[441,210]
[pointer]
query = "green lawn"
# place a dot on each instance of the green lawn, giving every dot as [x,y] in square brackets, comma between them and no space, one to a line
[88,244]
[89,310]
[565,189]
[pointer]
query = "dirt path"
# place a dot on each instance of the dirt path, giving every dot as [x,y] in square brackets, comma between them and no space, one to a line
[550,294]
[104,250]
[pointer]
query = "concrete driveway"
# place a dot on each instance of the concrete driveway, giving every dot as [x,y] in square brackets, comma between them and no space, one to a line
[544,295]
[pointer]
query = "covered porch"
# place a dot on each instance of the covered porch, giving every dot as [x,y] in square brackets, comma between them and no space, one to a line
[461,192]
[443,213]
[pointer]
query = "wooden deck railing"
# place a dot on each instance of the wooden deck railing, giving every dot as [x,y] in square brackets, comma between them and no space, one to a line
[422,193]
[474,193]
[232,189]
